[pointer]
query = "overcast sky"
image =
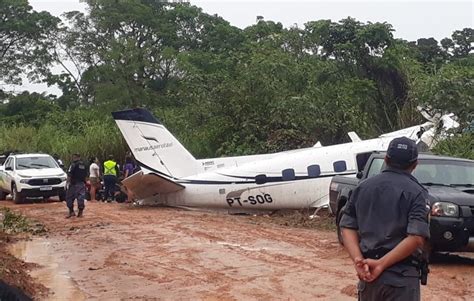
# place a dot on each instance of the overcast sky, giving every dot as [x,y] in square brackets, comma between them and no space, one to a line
[410,19]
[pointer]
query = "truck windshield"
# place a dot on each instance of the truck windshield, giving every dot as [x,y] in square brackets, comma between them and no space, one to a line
[445,172]
[35,163]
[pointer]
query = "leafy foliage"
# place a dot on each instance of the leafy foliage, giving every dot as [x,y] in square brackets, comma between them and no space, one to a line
[221,89]
[60,135]
[27,108]
[24,40]
[461,146]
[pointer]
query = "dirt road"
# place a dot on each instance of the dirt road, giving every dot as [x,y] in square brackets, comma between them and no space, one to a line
[118,252]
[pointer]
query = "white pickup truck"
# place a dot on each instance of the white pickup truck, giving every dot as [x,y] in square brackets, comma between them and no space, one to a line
[31,175]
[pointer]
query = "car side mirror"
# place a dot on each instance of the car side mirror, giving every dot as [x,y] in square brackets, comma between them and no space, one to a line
[359,175]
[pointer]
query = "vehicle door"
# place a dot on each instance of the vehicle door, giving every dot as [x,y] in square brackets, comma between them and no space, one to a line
[8,173]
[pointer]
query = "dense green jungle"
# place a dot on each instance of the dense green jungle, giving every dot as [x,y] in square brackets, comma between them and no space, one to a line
[220,89]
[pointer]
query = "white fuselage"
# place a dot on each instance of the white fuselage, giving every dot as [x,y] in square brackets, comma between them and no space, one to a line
[231,183]
[286,180]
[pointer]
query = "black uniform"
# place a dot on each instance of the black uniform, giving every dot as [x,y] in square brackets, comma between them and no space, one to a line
[76,190]
[385,209]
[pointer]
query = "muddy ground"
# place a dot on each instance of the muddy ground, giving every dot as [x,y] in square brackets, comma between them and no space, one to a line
[120,252]
[14,271]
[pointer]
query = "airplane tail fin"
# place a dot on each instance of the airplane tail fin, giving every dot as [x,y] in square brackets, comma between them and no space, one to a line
[153,146]
[354,137]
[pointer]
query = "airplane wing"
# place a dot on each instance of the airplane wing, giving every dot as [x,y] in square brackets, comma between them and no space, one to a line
[147,185]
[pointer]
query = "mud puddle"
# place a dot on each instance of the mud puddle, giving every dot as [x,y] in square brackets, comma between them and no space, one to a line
[49,272]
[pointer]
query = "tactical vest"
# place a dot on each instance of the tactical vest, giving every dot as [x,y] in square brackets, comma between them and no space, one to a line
[77,172]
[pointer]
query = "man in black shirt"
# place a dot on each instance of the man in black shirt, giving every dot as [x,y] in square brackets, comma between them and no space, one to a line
[77,174]
[385,223]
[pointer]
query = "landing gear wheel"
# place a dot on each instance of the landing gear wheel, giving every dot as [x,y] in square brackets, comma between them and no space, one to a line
[17,197]
[3,195]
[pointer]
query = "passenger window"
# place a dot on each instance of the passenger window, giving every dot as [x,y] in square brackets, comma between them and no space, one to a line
[314,171]
[260,179]
[288,174]
[375,167]
[340,166]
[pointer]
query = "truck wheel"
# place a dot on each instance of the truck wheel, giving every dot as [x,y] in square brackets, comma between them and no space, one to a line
[339,233]
[17,197]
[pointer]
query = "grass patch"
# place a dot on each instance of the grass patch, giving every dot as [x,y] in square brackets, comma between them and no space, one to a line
[13,223]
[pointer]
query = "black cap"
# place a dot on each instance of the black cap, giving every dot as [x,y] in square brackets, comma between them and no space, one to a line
[402,150]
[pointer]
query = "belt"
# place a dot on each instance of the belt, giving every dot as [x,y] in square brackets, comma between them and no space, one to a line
[380,252]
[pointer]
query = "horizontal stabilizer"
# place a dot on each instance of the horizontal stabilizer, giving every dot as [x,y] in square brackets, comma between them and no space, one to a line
[354,137]
[144,186]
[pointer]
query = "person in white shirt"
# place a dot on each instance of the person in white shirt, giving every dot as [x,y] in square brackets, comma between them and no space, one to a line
[94,177]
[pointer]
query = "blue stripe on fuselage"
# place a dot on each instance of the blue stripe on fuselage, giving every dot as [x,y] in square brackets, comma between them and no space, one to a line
[249,179]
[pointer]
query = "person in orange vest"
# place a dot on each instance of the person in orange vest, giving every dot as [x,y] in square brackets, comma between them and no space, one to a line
[111,172]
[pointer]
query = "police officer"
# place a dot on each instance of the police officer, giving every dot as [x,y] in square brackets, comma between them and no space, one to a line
[111,171]
[77,174]
[385,223]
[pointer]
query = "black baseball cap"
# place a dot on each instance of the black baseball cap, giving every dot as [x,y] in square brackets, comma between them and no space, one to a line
[402,150]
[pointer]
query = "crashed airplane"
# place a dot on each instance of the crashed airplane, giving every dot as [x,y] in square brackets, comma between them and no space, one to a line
[296,179]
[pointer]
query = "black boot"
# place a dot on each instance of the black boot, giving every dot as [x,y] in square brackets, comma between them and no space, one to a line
[80,213]
[71,214]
